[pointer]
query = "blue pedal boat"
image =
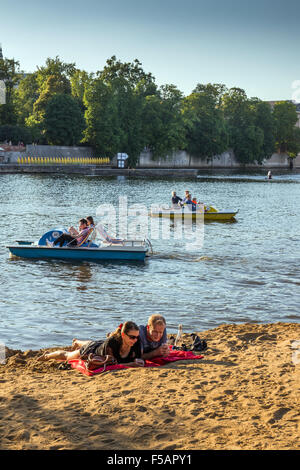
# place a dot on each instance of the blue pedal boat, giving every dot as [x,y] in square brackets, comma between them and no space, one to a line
[125,250]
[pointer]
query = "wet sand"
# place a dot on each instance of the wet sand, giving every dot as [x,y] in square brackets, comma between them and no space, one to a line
[243,395]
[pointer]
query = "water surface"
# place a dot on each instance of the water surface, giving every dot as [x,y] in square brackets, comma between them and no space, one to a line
[246,271]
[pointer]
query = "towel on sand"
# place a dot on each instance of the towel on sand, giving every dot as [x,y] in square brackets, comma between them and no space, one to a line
[173,356]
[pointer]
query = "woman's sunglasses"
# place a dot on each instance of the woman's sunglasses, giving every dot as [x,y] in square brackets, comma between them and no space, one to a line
[133,337]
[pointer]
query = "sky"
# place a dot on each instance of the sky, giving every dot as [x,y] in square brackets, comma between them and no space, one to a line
[253,45]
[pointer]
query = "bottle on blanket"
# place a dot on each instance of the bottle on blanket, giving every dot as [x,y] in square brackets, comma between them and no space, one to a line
[178,340]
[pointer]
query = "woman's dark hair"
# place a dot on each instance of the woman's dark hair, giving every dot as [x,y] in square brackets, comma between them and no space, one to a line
[124,328]
[90,219]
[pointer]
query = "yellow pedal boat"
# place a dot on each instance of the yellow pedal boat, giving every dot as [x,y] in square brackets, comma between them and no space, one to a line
[209,213]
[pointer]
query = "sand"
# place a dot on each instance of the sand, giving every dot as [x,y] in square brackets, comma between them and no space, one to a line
[243,395]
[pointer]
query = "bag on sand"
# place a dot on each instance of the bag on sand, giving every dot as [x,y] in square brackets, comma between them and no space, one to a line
[198,344]
[95,362]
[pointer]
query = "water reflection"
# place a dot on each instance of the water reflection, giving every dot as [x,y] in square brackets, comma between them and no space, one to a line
[83,275]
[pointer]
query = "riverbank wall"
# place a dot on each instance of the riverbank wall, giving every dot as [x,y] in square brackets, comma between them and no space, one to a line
[226,160]
[180,161]
[95,170]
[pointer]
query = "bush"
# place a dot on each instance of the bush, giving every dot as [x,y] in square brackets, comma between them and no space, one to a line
[15,134]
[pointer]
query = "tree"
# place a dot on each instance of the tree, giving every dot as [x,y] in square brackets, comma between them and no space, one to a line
[263,119]
[63,121]
[54,85]
[10,74]
[130,85]
[115,102]
[214,90]
[80,81]
[54,67]
[128,75]
[286,134]
[204,120]
[15,134]
[51,79]
[102,131]
[25,96]
[163,122]
[245,137]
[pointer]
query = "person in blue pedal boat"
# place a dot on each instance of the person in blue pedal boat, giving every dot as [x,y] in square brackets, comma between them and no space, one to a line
[90,222]
[74,237]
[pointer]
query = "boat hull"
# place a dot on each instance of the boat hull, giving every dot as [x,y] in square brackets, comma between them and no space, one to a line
[79,254]
[207,216]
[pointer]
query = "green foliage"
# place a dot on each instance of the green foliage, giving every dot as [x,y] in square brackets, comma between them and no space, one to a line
[204,120]
[25,96]
[54,67]
[50,80]
[127,75]
[285,118]
[115,103]
[163,121]
[263,119]
[246,137]
[102,118]
[63,121]
[15,134]
[54,85]
[10,73]
[8,113]
[294,143]
[125,111]
[80,81]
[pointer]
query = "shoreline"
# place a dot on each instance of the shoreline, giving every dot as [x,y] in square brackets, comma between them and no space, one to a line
[243,395]
[94,170]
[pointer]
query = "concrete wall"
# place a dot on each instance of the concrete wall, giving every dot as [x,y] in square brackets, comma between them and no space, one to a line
[182,159]
[10,157]
[277,160]
[297,162]
[179,159]
[225,160]
[56,151]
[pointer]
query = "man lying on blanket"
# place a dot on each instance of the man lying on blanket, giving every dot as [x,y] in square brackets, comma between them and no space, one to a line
[153,337]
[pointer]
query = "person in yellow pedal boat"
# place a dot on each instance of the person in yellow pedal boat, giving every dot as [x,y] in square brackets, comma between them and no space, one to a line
[175,199]
[190,203]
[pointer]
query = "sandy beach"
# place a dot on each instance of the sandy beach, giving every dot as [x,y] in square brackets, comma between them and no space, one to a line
[243,395]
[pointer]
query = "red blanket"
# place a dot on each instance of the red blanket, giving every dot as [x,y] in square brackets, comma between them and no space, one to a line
[155,362]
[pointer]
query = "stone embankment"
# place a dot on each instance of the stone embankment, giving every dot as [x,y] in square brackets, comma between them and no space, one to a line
[176,164]
[95,170]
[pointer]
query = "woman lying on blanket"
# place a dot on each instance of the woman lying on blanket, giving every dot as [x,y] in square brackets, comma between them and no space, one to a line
[123,344]
[153,338]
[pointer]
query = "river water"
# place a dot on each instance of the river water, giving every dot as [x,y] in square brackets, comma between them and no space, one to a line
[246,271]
